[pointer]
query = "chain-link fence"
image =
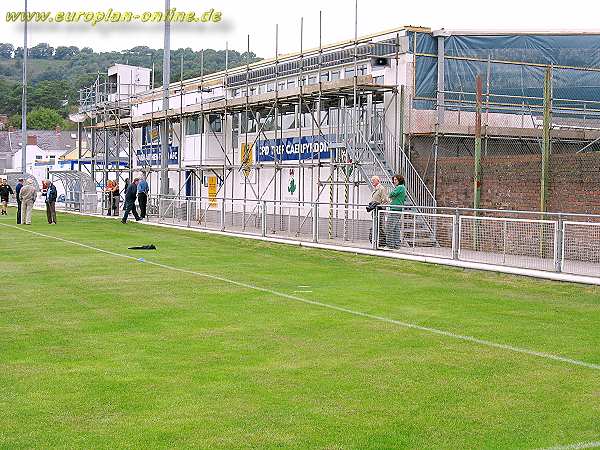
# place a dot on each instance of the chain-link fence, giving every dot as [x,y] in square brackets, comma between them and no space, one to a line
[514,111]
[518,239]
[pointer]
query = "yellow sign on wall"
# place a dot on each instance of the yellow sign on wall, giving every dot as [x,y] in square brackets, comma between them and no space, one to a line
[212,191]
[246,159]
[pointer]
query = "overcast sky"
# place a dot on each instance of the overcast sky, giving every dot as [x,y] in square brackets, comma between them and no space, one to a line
[258,18]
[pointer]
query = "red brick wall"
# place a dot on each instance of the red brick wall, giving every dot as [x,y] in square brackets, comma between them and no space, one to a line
[513,182]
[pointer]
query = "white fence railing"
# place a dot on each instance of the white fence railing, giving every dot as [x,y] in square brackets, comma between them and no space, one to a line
[581,248]
[529,243]
[525,243]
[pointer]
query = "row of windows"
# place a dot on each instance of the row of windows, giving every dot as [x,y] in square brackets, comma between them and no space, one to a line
[330,59]
[194,124]
[305,81]
[243,123]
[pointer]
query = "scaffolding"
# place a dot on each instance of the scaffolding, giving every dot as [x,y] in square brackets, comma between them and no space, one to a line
[350,125]
[365,127]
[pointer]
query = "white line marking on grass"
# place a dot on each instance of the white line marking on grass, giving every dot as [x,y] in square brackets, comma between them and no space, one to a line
[577,446]
[305,292]
[409,325]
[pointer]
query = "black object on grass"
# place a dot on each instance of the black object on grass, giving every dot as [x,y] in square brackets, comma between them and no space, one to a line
[143,247]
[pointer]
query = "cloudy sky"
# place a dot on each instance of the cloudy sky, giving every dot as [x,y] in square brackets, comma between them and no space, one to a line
[258,18]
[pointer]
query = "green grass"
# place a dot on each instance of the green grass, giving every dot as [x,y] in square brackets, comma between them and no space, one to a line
[98,351]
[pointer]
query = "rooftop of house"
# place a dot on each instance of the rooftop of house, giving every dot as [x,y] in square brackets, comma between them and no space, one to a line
[47,140]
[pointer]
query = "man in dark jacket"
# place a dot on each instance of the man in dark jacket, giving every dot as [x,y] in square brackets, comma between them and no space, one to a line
[143,189]
[17,190]
[130,196]
[51,195]
[5,191]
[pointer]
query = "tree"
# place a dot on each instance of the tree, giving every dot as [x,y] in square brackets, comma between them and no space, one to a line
[44,119]
[74,50]
[48,94]
[63,52]
[15,121]
[6,50]
[41,51]
[10,97]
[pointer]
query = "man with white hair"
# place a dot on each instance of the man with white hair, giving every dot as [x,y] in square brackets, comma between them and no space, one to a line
[27,196]
[379,197]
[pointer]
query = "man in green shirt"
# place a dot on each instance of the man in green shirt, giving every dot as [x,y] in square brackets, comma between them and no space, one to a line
[397,197]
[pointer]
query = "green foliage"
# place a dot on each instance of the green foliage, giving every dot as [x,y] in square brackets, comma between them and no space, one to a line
[39,119]
[10,97]
[6,51]
[41,51]
[15,121]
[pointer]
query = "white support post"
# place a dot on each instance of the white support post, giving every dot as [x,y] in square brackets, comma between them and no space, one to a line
[455,235]
[223,214]
[263,230]
[375,229]
[188,212]
[315,223]
[459,237]
[159,208]
[559,244]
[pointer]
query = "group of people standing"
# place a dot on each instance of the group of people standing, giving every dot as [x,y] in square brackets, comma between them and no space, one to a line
[26,194]
[389,233]
[138,189]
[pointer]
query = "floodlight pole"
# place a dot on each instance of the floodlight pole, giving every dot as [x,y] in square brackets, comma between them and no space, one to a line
[24,99]
[164,152]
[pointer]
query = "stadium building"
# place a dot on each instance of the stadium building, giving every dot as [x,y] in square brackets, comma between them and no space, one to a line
[315,126]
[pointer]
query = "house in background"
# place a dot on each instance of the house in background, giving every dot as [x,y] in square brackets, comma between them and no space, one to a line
[47,150]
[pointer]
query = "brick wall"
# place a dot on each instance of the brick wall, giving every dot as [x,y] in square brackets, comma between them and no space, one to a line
[513,182]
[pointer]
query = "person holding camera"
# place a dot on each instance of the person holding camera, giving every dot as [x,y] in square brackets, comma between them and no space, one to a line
[397,197]
[378,197]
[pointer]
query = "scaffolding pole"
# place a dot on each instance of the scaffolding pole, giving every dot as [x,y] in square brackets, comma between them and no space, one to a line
[477,176]
[546,140]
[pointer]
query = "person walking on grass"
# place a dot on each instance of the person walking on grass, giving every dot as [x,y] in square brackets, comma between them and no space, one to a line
[18,188]
[28,195]
[397,197]
[142,190]
[51,196]
[5,191]
[130,196]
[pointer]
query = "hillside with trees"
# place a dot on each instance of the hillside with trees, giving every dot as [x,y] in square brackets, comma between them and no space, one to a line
[57,74]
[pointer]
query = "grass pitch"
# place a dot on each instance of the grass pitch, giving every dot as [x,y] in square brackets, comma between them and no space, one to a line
[99,351]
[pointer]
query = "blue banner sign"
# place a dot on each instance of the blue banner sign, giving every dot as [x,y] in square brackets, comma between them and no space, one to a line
[149,155]
[294,148]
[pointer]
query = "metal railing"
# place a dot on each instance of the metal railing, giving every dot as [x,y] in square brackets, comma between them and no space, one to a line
[568,243]
[379,154]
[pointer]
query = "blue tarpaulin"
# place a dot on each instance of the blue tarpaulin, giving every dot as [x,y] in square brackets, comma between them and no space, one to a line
[581,51]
